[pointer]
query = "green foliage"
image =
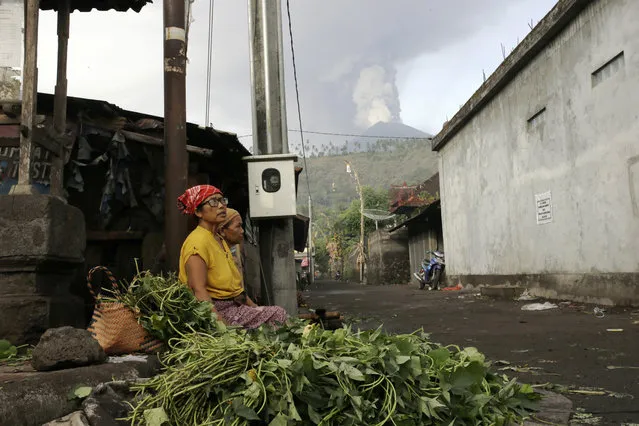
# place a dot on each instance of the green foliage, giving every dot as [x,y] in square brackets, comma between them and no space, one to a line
[321,254]
[349,220]
[335,199]
[7,350]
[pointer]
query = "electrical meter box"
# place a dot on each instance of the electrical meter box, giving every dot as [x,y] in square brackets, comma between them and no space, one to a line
[271,180]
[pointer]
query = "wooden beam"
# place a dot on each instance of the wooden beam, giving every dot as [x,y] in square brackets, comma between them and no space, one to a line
[60,99]
[151,140]
[29,97]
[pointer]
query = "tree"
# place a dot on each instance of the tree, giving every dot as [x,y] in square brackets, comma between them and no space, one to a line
[349,221]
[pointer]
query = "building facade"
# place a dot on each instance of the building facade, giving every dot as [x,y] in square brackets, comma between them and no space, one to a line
[539,171]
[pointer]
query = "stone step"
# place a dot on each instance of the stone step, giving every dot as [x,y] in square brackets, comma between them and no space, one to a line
[30,398]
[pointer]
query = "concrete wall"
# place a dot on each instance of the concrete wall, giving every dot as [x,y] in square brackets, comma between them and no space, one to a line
[583,148]
[388,259]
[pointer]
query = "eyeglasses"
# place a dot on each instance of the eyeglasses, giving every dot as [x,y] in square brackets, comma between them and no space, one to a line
[215,202]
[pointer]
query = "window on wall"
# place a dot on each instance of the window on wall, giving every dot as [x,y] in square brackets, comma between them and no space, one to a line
[608,69]
[537,118]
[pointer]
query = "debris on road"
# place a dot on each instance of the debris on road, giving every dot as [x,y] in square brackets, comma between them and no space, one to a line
[581,417]
[526,296]
[458,287]
[538,306]
[599,312]
[583,390]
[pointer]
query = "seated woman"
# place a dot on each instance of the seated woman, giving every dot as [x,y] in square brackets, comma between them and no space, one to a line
[232,232]
[207,265]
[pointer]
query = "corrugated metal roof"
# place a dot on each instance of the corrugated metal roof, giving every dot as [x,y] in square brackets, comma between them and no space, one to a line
[88,5]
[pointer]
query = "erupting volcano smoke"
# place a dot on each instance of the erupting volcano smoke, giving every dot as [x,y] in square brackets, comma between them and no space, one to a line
[376,98]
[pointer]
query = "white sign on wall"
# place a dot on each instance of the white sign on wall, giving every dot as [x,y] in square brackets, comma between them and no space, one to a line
[544,208]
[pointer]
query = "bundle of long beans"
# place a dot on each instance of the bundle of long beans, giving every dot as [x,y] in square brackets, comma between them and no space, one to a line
[166,308]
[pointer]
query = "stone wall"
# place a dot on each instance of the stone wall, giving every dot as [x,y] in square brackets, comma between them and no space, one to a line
[42,241]
[388,258]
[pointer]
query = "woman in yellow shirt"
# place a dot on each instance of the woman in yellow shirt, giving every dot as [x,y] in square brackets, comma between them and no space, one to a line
[207,265]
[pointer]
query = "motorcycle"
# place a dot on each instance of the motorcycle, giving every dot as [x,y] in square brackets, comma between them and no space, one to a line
[431,271]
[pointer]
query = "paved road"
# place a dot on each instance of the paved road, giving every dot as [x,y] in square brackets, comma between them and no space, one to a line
[567,345]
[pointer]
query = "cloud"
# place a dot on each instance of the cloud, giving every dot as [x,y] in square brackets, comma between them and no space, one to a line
[351,56]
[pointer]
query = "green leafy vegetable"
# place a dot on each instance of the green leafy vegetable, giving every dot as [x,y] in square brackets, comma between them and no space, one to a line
[292,375]
[302,374]
[155,417]
[79,392]
[7,350]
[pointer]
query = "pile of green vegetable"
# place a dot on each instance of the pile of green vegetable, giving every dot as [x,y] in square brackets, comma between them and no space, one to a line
[7,350]
[13,355]
[312,376]
[302,374]
[165,307]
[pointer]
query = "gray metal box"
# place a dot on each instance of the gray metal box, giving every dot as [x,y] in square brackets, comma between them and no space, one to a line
[271,180]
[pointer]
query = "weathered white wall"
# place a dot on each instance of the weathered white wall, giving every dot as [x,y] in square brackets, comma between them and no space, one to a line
[584,148]
[11,23]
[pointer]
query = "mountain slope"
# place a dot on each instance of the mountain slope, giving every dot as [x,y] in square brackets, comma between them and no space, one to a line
[380,131]
[410,161]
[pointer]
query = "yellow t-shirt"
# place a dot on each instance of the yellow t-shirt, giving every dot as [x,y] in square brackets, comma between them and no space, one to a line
[223,278]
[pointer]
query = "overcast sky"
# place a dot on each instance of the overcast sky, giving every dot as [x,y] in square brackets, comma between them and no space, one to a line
[359,61]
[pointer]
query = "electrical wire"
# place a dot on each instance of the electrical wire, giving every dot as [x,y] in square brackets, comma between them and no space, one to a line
[352,135]
[299,118]
[209,59]
[297,98]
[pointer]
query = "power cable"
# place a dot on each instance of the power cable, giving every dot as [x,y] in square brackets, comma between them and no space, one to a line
[297,98]
[299,118]
[352,135]
[209,59]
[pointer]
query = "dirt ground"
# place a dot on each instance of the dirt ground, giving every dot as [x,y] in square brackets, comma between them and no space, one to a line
[567,346]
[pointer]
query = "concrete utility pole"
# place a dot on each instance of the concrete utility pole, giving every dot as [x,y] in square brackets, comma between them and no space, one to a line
[175,155]
[270,137]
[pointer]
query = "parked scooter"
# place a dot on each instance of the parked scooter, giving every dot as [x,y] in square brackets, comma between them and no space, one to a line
[431,271]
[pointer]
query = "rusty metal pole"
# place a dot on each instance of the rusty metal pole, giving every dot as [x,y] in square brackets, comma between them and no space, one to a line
[60,99]
[29,97]
[175,155]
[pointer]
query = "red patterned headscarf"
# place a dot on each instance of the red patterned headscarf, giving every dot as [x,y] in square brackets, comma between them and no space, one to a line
[193,197]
